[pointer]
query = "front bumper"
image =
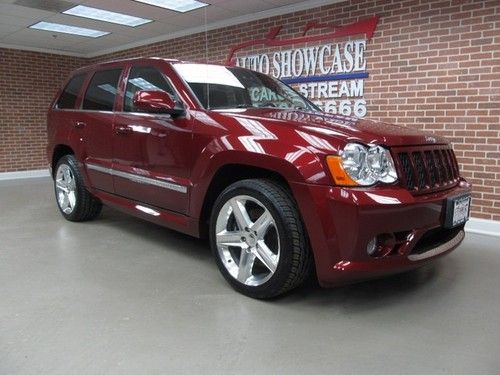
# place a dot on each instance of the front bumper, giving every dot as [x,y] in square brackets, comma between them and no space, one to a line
[342,221]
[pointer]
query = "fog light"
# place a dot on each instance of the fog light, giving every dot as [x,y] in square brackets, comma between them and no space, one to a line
[372,246]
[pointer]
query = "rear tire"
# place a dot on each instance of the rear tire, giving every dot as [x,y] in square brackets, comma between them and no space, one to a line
[258,239]
[73,199]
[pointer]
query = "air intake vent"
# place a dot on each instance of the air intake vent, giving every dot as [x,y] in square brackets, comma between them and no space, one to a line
[55,6]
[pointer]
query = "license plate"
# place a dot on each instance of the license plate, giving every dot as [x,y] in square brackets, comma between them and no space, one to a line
[457,210]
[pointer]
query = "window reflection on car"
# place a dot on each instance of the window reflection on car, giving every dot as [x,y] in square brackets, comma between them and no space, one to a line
[220,87]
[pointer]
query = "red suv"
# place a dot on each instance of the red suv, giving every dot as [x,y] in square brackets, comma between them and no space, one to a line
[280,188]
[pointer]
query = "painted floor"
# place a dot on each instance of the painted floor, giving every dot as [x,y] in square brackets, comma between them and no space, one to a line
[119,295]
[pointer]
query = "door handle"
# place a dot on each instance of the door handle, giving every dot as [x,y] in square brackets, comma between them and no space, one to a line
[123,130]
[80,125]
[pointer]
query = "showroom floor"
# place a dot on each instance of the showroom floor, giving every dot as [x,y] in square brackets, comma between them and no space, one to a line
[119,295]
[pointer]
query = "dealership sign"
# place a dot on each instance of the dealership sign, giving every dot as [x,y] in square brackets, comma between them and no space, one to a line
[331,74]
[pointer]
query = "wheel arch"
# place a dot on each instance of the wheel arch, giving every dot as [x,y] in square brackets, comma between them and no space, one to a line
[228,174]
[59,151]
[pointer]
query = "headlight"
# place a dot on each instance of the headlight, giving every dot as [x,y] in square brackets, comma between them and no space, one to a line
[360,165]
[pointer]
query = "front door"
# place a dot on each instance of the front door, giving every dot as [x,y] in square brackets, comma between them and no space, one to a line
[151,151]
[94,125]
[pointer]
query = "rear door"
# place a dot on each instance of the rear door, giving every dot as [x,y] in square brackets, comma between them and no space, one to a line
[61,119]
[95,123]
[151,151]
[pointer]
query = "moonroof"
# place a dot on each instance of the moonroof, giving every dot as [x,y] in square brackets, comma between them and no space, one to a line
[177,5]
[106,16]
[67,29]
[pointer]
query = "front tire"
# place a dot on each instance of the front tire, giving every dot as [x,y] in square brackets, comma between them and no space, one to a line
[258,239]
[73,199]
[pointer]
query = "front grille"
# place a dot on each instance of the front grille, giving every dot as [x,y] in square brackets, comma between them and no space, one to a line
[427,168]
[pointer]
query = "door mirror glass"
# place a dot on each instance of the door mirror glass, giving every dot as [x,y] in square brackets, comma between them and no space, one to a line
[156,101]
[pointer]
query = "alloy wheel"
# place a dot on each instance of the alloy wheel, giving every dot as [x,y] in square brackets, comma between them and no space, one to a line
[247,240]
[65,189]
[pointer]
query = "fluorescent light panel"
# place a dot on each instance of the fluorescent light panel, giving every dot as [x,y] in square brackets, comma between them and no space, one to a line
[67,29]
[177,5]
[106,16]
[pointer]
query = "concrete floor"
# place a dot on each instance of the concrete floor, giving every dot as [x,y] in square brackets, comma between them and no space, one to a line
[119,295]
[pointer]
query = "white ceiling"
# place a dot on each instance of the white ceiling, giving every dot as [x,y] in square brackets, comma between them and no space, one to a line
[15,20]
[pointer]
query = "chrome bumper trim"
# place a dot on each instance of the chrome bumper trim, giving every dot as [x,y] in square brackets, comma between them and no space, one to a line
[440,249]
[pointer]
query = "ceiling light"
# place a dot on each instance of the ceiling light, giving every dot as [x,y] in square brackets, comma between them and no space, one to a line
[177,5]
[106,16]
[67,29]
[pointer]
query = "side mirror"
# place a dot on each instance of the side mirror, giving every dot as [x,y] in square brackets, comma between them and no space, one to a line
[156,101]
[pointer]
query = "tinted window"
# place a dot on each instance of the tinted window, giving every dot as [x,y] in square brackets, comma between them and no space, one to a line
[100,95]
[144,78]
[218,86]
[70,93]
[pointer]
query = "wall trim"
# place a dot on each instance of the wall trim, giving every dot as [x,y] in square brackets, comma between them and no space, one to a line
[24,174]
[286,9]
[483,226]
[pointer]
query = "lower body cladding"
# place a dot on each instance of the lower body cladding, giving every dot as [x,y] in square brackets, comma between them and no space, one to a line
[362,233]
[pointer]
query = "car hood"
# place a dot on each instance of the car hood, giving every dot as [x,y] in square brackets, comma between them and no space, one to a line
[349,129]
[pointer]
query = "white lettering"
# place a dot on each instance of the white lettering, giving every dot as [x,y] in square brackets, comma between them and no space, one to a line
[322,53]
[264,64]
[297,63]
[337,61]
[348,63]
[276,65]
[337,96]
[310,60]
[286,64]
[359,53]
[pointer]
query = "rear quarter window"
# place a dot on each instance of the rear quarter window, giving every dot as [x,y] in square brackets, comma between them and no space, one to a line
[101,92]
[67,99]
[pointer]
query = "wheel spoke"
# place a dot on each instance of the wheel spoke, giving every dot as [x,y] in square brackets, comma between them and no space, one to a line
[245,266]
[226,238]
[266,256]
[72,184]
[71,199]
[65,202]
[262,223]
[240,214]
[61,185]
[67,176]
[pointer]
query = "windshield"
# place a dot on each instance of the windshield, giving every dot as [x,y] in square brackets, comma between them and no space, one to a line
[219,87]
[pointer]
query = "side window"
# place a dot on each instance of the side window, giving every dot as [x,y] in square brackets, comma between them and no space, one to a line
[100,95]
[144,78]
[67,100]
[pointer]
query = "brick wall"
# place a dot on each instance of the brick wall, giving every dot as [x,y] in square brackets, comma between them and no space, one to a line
[28,82]
[433,65]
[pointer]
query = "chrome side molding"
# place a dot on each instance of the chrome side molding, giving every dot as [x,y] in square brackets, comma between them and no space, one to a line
[138,178]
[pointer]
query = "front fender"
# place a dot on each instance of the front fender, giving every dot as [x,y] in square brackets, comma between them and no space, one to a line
[296,164]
